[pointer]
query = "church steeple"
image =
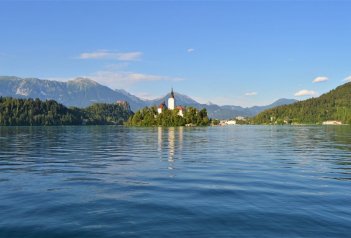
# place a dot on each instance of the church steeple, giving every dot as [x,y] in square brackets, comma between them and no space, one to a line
[171,101]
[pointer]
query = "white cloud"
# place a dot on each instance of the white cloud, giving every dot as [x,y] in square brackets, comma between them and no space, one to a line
[200,99]
[347,79]
[190,50]
[305,92]
[129,56]
[147,96]
[121,79]
[320,79]
[61,79]
[105,54]
[251,94]
[230,100]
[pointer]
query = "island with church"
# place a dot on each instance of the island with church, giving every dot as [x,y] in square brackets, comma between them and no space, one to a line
[169,115]
[35,112]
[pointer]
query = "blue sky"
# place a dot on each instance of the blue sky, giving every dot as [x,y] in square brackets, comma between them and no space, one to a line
[225,52]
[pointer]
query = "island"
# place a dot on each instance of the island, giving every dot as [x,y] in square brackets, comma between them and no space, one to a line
[171,115]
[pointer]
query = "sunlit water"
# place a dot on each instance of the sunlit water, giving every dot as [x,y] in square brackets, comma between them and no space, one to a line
[240,181]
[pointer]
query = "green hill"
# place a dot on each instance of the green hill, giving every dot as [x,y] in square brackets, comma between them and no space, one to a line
[34,112]
[334,105]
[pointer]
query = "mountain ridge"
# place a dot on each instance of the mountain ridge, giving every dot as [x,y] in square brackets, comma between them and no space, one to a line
[82,92]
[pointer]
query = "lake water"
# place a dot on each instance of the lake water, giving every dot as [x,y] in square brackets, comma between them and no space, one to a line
[240,181]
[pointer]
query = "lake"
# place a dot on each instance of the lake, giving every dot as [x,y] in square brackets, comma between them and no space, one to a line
[112,181]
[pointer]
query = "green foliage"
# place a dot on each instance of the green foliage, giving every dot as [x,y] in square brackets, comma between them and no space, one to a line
[150,117]
[242,122]
[105,114]
[335,105]
[30,112]
[215,122]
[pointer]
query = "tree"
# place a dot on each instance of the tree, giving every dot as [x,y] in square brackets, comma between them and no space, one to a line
[29,112]
[150,117]
[335,105]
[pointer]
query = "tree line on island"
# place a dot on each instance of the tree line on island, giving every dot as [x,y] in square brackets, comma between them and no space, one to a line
[149,116]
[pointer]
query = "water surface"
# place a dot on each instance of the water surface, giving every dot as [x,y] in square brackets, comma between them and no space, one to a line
[240,181]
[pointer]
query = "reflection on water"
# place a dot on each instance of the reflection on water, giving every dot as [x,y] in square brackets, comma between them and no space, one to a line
[170,145]
[160,139]
[107,181]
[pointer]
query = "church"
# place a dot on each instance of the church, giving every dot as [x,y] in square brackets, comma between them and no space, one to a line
[171,105]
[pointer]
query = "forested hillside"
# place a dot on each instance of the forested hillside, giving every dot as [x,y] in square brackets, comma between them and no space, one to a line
[34,112]
[334,105]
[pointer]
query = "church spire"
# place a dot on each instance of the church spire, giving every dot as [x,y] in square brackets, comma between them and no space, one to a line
[171,101]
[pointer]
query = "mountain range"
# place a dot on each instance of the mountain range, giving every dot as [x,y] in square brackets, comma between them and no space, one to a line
[82,92]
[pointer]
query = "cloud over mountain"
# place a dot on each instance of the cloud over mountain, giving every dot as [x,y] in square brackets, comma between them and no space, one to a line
[118,78]
[110,55]
[305,92]
[348,79]
[320,79]
[251,94]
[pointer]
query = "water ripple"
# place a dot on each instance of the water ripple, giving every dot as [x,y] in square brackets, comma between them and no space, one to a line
[109,181]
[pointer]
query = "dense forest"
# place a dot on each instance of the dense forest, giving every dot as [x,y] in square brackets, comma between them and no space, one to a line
[149,116]
[106,114]
[334,105]
[34,112]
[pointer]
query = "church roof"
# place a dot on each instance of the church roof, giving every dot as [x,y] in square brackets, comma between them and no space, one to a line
[162,105]
[172,93]
[180,108]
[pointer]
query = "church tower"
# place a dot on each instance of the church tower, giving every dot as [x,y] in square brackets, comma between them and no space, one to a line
[171,101]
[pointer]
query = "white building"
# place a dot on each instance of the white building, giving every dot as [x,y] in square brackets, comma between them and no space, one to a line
[171,101]
[161,107]
[231,122]
[332,123]
[180,110]
[240,118]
